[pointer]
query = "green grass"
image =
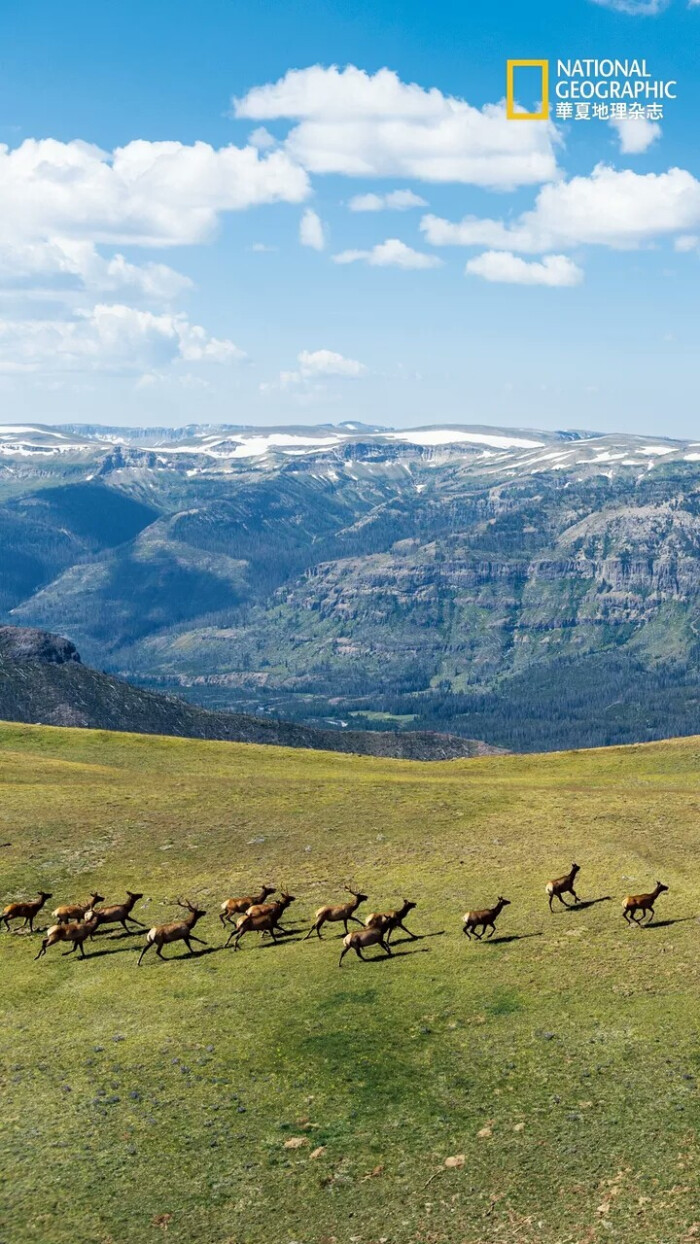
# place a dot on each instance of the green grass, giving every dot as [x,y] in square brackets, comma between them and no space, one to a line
[155,1103]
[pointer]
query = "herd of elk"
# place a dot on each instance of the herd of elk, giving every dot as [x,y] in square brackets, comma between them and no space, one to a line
[76,922]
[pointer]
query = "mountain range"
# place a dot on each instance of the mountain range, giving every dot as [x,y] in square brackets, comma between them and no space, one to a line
[534,589]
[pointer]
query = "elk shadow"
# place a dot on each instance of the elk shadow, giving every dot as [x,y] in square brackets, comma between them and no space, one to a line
[398,954]
[418,937]
[196,954]
[587,902]
[119,937]
[98,954]
[665,924]
[508,937]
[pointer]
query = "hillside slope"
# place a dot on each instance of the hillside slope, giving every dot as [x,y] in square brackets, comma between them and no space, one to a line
[557,1063]
[535,589]
[42,680]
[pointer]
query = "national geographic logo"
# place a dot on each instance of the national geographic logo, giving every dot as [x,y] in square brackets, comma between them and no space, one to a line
[590,89]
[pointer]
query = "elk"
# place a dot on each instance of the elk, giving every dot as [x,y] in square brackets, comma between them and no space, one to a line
[262,918]
[643,903]
[77,932]
[484,919]
[344,912]
[364,937]
[178,931]
[77,911]
[390,920]
[25,911]
[563,885]
[118,913]
[238,906]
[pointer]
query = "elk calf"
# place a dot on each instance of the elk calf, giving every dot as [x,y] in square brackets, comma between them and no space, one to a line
[391,920]
[262,918]
[118,913]
[25,911]
[76,932]
[77,911]
[484,919]
[359,939]
[563,885]
[238,906]
[177,931]
[344,912]
[643,903]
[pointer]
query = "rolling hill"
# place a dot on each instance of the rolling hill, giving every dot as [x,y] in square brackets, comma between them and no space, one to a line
[537,590]
[267,1096]
[43,681]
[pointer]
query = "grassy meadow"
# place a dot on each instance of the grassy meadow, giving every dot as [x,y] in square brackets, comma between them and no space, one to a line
[266,1096]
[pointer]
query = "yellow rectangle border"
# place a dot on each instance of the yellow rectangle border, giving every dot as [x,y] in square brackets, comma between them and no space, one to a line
[511,66]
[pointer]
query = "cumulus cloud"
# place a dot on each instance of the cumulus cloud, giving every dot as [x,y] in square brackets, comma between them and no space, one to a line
[375,125]
[145,194]
[506,267]
[390,254]
[635,134]
[314,366]
[62,265]
[622,209]
[396,200]
[311,231]
[109,338]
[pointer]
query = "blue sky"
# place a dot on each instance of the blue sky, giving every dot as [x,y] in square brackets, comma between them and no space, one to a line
[229,275]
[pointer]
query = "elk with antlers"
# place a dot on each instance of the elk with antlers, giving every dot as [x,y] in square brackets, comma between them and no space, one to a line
[391,920]
[262,918]
[177,931]
[343,911]
[77,911]
[359,939]
[118,913]
[563,885]
[643,903]
[238,906]
[77,932]
[484,919]
[25,911]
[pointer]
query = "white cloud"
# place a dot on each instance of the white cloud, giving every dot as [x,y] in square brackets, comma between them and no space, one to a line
[63,265]
[687,241]
[635,134]
[375,125]
[145,194]
[609,208]
[108,338]
[635,8]
[328,363]
[262,139]
[390,254]
[262,248]
[311,231]
[399,200]
[313,366]
[505,266]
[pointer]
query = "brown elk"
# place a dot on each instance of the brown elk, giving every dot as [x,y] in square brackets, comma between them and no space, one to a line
[177,931]
[563,885]
[77,911]
[391,920]
[263,918]
[118,913]
[344,912]
[484,919]
[77,932]
[238,906]
[643,903]
[363,937]
[25,911]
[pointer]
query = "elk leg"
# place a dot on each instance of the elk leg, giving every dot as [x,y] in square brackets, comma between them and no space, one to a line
[356,921]
[146,947]
[343,953]
[135,921]
[72,950]
[550,903]
[576,897]
[492,927]
[81,948]
[358,952]
[413,936]
[42,949]
[466,930]
[313,929]
[385,946]
[228,939]
[160,954]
